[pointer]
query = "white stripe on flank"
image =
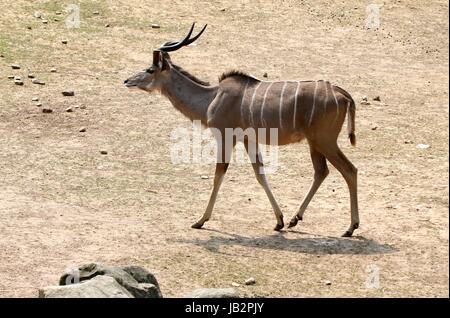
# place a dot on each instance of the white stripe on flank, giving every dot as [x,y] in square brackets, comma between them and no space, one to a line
[337,105]
[251,104]
[263,103]
[313,105]
[295,102]
[242,103]
[281,104]
[326,99]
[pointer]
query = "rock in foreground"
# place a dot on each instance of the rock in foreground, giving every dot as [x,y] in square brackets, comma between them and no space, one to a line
[138,281]
[98,287]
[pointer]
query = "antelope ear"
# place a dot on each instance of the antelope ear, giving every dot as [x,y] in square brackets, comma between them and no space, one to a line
[157,58]
[165,62]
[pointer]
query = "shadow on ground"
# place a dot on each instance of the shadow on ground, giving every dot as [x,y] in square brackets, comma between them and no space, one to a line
[356,245]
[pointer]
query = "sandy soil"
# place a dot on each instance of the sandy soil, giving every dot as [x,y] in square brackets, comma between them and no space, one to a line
[63,203]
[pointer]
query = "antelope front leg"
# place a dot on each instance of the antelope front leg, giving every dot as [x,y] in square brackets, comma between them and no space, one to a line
[221,168]
[224,151]
[258,168]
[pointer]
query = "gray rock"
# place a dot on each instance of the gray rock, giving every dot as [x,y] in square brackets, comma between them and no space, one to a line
[18,80]
[250,281]
[53,70]
[377,98]
[69,109]
[96,12]
[82,129]
[46,110]
[36,81]
[11,76]
[30,75]
[45,21]
[155,26]
[35,99]
[265,75]
[213,293]
[97,287]
[103,152]
[39,105]
[64,41]
[68,93]
[37,15]
[89,271]
[15,66]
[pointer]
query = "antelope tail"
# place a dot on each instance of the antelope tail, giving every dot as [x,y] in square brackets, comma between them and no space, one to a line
[351,110]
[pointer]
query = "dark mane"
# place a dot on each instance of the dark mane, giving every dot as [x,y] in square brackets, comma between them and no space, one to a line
[190,76]
[235,73]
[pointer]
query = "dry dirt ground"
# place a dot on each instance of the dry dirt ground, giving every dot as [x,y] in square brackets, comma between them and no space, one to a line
[63,203]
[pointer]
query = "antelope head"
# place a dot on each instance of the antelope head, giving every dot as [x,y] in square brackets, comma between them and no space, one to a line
[157,74]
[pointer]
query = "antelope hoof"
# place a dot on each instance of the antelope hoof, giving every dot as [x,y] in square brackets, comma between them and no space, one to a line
[294,221]
[347,234]
[278,227]
[197,225]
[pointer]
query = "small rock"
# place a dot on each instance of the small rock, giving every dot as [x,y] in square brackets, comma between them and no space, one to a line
[58,12]
[18,81]
[155,26]
[35,99]
[56,19]
[204,177]
[82,129]
[69,110]
[327,282]
[1,55]
[68,93]
[29,27]
[223,9]
[47,110]
[96,13]
[250,281]
[11,76]
[265,75]
[409,142]
[15,67]
[423,146]
[36,81]
[37,15]
[374,128]
[107,25]
[39,105]
[365,102]
[377,98]
[364,98]
[103,152]
[53,70]
[45,21]
[82,107]
[64,41]
[30,75]
[234,284]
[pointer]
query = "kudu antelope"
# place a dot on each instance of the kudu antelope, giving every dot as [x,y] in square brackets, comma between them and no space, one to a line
[311,110]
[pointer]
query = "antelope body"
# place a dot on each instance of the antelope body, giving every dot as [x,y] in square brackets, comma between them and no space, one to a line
[311,110]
